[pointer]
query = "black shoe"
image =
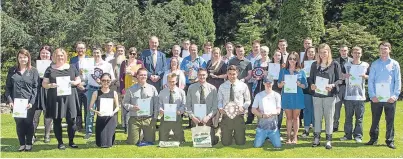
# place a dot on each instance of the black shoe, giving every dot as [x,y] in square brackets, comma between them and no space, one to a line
[73,145]
[125,130]
[391,145]
[61,147]
[372,142]
[335,129]
[316,139]
[22,148]
[305,134]
[28,147]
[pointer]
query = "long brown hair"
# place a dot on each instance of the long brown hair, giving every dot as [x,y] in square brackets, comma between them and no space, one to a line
[306,55]
[297,65]
[26,53]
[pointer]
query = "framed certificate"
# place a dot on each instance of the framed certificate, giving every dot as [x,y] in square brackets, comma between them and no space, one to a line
[20,108]
[144,105]
[200,111]
[169,112]
[106,105]
[63,86]
[42,65]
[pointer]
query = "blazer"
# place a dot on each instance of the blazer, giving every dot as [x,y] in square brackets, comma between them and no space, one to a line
[147,59]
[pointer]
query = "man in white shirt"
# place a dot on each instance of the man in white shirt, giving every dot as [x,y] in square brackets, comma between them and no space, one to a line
[266,106]
[93,84]
[185,48]
[233,91]
[109,54]
[207,51]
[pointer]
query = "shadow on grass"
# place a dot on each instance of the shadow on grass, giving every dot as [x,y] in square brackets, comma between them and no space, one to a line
[11,145]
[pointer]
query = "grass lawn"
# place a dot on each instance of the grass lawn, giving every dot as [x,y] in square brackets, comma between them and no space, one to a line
[88,149]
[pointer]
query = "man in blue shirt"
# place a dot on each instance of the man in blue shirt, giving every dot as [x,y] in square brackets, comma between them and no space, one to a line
[384,72]
[191,64]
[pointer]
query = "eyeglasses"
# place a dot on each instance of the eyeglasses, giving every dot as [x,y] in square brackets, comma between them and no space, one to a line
[292,59]
[133,54]
[106,81]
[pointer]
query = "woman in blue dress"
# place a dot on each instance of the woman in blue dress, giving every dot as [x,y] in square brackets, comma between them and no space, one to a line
[292,103]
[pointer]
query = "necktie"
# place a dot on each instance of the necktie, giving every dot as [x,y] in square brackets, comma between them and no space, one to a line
[171,97]
[231,93]
[202,95]
[142,94]
[154,59]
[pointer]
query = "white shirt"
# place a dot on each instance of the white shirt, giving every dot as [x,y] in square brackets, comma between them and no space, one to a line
[109,57]
[267,103]
[241,94]
[356,93]
[206,57]
[106,67]
[301,56]
[185,53]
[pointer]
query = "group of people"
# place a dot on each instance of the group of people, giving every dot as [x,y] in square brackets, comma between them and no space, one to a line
[146,88]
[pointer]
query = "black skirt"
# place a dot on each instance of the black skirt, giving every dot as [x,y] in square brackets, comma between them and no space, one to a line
[105,131]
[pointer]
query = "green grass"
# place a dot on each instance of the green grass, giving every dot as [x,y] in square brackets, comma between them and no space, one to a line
[88,149]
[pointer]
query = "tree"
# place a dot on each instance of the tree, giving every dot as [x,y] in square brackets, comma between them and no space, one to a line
[352,34]
[300,19]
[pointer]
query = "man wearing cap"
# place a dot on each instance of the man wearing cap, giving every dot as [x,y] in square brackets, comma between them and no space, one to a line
[202,93]
[266,106]
[230,92]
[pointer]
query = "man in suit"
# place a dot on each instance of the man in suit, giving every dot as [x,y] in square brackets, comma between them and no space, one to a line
[343,50]
[76,61]
[154,62]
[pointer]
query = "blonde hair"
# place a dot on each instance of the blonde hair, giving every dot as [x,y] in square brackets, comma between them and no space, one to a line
[59,50]
[357,48]
[329,57]
[265,48]
[171,75]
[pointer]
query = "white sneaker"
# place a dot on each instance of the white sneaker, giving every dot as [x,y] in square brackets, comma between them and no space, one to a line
[358,140]
[281,139]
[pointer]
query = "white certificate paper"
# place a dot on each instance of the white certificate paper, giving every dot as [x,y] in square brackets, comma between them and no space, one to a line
[63,85]
[144,105]
[106,105]
[274,71]
[321,84]
[290,84]
[42,65]
[169,112]
[200,111]
[20,108]
[307,67]
[382,91]
[269,106]
[88,65]
[356,71]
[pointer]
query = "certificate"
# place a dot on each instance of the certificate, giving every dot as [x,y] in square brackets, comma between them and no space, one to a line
[42,65]
[20,108]
[200,111]
[269,106]
[321,84]
[63,85]
[274,71]
[87,65]
[382,91]
[169,112]
[307,67]
[106,105]
[290,84]
[356,71]
[144,105]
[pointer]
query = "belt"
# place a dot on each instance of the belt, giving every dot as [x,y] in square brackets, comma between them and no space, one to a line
[94,87]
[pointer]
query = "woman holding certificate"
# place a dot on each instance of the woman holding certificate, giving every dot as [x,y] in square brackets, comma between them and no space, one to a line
[216,68]
[292,79]
[107,104]
[174,68]
[309,58]
[61,80]
[43,62]
[324,78]
[21,90]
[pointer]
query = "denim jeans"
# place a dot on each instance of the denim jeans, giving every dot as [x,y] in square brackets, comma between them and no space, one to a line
[89,119]
[262,135]
[352,108]
[308,111]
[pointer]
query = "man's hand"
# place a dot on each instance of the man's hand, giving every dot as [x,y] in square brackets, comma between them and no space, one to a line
[313,87]
[221,111]
[375,99]
[391,100]
[195,120]
[136,108]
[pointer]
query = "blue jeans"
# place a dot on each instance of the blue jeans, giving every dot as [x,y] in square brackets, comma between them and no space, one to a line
[89,119]
[262,135]
[308,111]
[357,108]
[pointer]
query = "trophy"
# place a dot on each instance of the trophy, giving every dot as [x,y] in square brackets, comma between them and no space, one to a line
[232,109]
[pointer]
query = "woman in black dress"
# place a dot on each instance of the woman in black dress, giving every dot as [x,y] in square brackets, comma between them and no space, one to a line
[216,69]
[22,83]
[62,106]
[106,121]
[44,54]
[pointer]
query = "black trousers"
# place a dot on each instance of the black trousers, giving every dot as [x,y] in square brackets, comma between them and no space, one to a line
[25,128]
[376,110]
[57,128]
[251,116]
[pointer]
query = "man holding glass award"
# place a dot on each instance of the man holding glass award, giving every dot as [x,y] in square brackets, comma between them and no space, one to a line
[201,103]
[141,100]
[233,100]
[171,106]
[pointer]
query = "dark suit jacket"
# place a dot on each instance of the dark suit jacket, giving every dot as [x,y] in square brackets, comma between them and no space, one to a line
[147,59]
[341,61]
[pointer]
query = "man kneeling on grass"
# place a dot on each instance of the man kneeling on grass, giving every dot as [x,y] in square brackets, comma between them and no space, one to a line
[266,106]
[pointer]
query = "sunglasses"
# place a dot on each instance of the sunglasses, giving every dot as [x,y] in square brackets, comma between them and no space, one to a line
[292,59]
[106,81]
[133,54]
